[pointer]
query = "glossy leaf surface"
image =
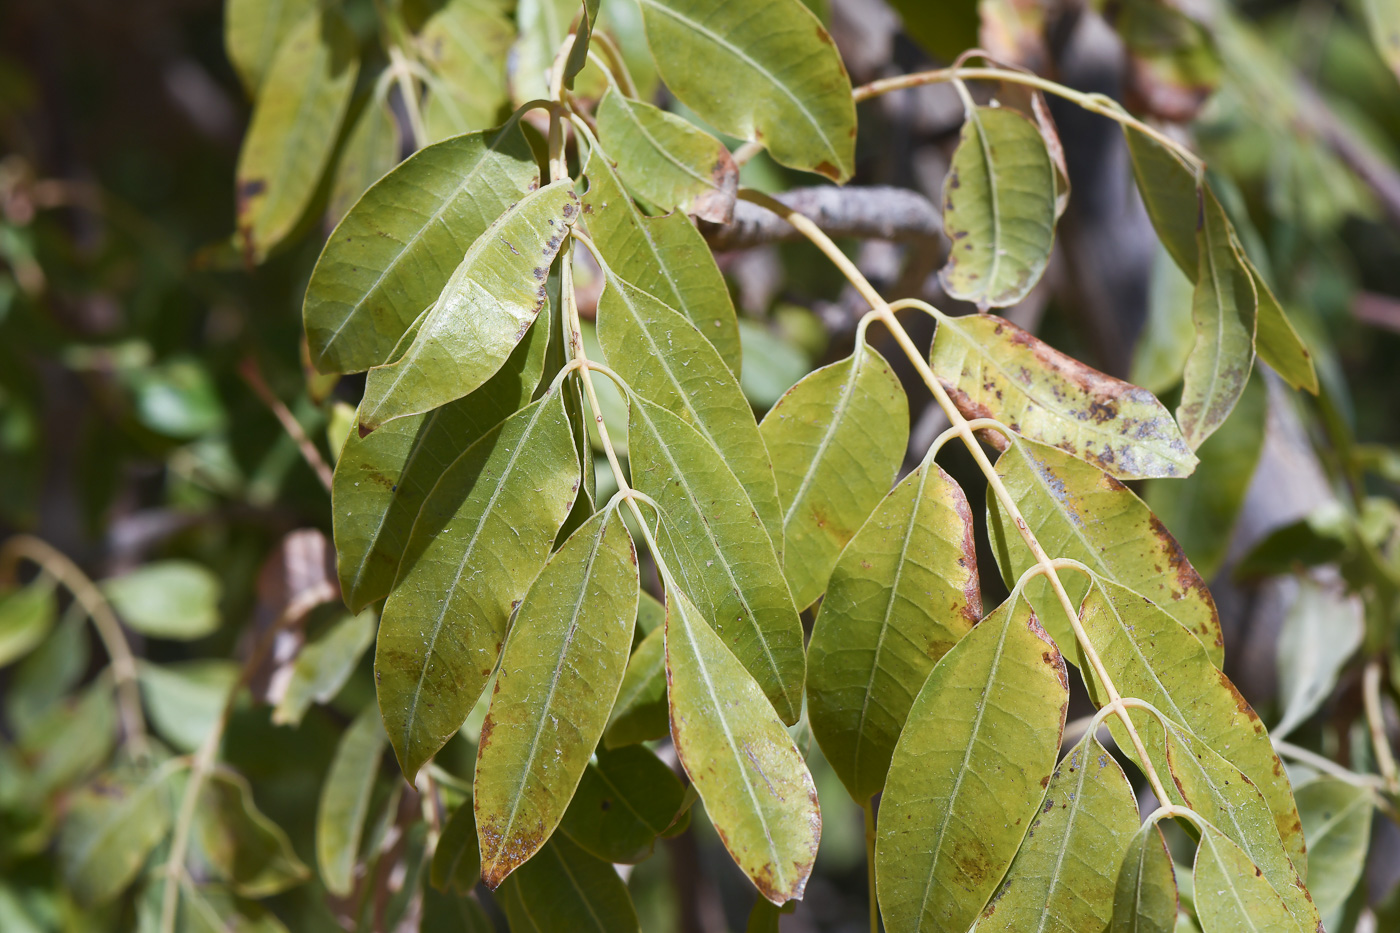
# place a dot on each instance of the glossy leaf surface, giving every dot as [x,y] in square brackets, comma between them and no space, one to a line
[345,799]
[1145,899]
[836,439]
[565,888]
[624,801]
[483,534]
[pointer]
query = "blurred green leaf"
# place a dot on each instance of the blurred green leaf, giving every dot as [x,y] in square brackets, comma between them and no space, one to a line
[1337,824]
[563,889]
[177,599]
[771,365]
[27,615]
[345,799]
[465,43]
[1166,338]
[1321,631]
[640,713]
[371,150]
[239,843]
[185,699]
[55,667]
[323,666]
[176,398]
[253,31]
[457,859]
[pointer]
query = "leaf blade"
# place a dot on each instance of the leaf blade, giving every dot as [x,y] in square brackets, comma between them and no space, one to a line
[345,799]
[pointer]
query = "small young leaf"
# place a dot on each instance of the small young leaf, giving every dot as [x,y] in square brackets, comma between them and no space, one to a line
[1172,194]
[1078,512]
[292,134]
[382,479]
[253,31]
[563,888]
[323,666]
[176,599]
[755,785]
[484,311]
[239,843]
[1278,343]
[457,859]
[465,44]
[396,249]
[1337,823]
[969,772]
[1144,899]
[1231,894]
[663,256]
[371,150]
[666,360]
[26,616]
[765,70]
[639,715]
[993,369]
[668,160]
[559,674]
[713,541]
[904,591]
[1064,876]
[345,798]
[481,537]
[1223,310]
[837,439]
[998,209]
[622,804]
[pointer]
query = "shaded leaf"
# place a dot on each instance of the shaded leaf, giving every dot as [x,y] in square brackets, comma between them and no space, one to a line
[622,804]
[1231,894]
[184,700]
[453,913]
[1066,872]
[664,359]
[239,843]
[292,132]
[1337,823]
[640,713]
[663,256]
[71,740]
[40,682]
[742,762]
[1321,631]
[391,255]
[1223,312]
[998,209]
[495,511]
[993,369]
[176,599]
[563,888]
[457,858]
[212,909]
[1382,17]
[945,29]
[712,539]
[484,311]
[382,479]
[559,674]
[370,152]
[904,591]
[969,772]
[837,439]
[766,71]
[1144,899]
[345,799]
[465,44]
[1278,342]
[1076,511]
[253,30]
[1167,336]
[27,615]
[323,666]
[668,160]
[1171,192]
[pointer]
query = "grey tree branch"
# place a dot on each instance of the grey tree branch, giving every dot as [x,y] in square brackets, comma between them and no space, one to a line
[880,213]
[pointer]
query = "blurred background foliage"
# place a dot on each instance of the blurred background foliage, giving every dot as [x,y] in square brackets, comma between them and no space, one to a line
[144,366]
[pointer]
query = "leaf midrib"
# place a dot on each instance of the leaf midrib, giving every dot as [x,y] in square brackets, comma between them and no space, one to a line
[838,414]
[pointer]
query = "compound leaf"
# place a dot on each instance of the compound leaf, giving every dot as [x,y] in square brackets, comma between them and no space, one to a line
[345,798]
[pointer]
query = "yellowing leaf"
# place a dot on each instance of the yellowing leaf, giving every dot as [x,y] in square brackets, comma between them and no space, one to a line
[1278,342]
[903,592]
[1144,899]
[345,799]
[993,369]
[764,70]
[253,30]
[1232,896]
[465,44]
[998,209]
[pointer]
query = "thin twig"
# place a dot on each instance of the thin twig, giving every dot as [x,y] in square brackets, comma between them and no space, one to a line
[252,375]
[1326,765]
[1375,719]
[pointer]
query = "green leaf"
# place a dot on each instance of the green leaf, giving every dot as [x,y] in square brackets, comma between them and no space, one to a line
[994,369]
[1278,342]
[969,772]
[663,256]
[622,804]
[26,616]
[640,713]
[1065,874]
[292,133]
[483,534]
[542,24]
[765,70]
[382,479]
[1167,336]
[465,44]
[1144,899]
[396,249]
[176,599]
[755,785]
[903,593]
[1232,896]
[1171,191]
[345,799]
[1151,656]
[1223,311]
[946,29]
[71,740]
[111,827]
[998,209]
[563,888]
[484,311]
[40,682]
[1075,511]
[253,31]
[837,439]
[1337,823]
[184,700]
[370,152]
[239,843]
[559,674]
[666,360]
[668,160]
[713,541]
[1202,509]
[772,365]
[1321,631]
[457,859]
[1381,18]
[453,913]
[209,909]
[323,666]
[578,53]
